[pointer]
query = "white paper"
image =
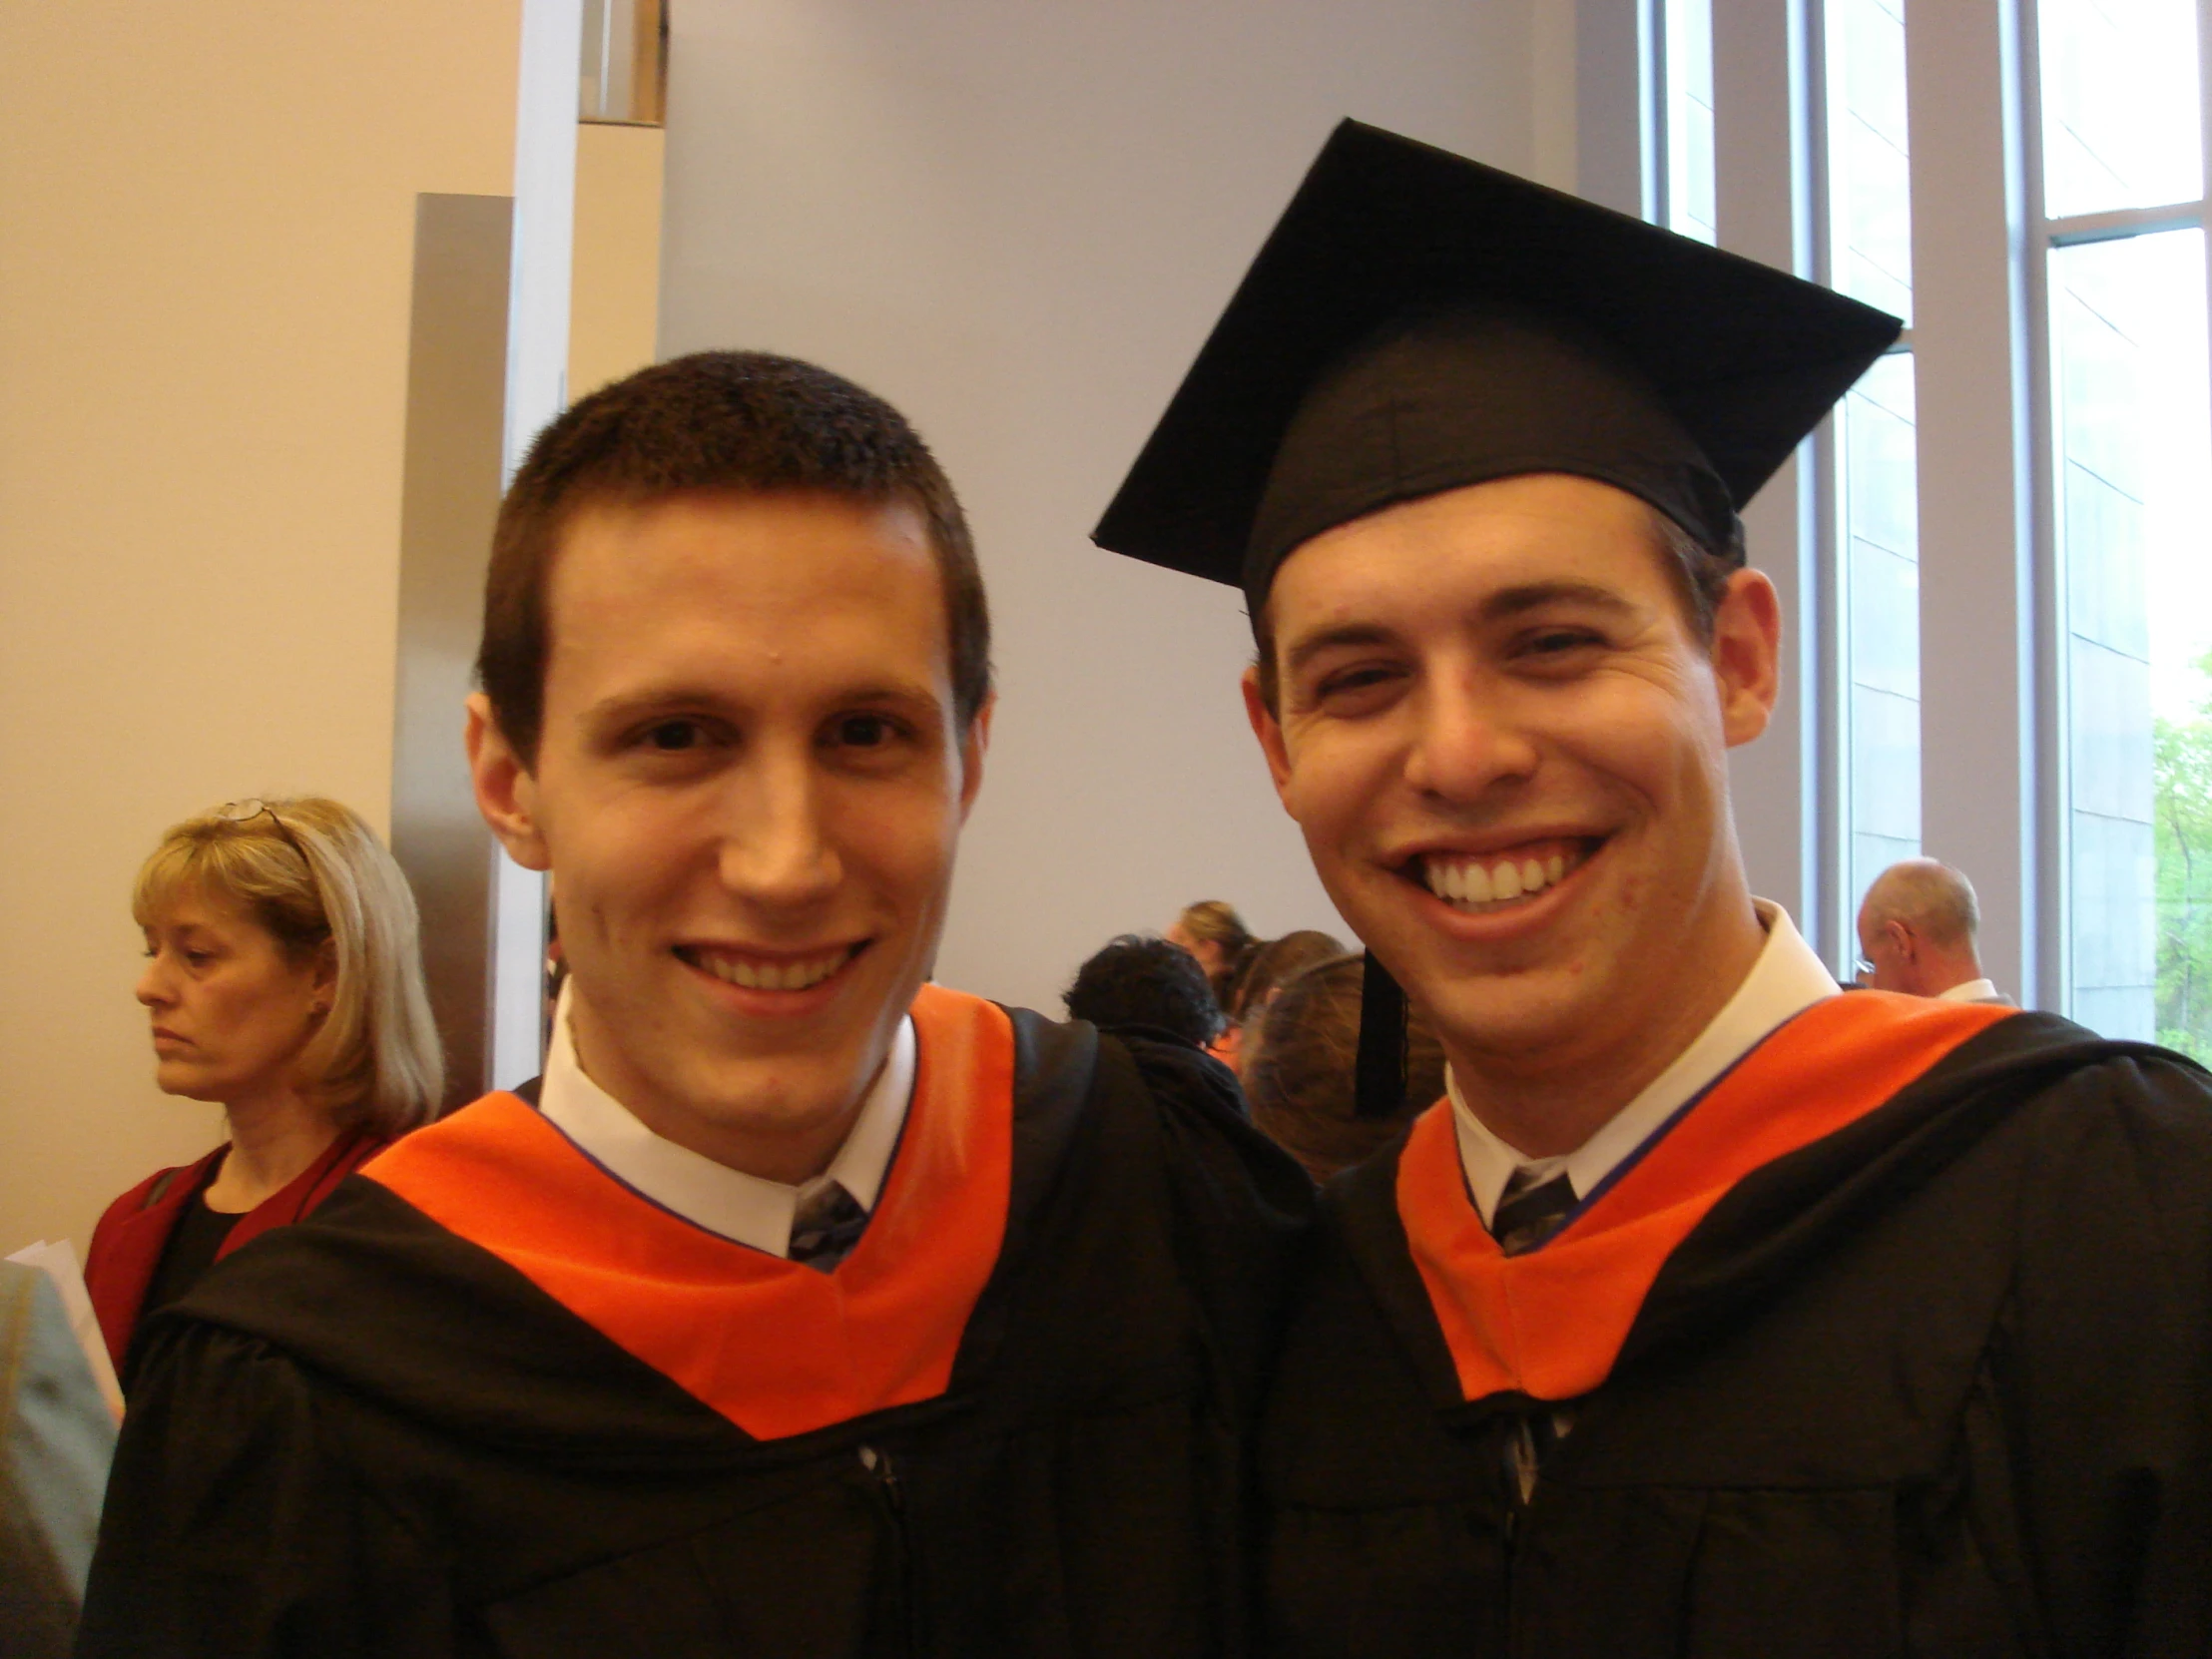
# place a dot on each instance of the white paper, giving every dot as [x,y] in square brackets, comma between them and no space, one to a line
[58,1261]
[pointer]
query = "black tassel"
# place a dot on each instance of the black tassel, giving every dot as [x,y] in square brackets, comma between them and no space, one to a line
[1379,1088]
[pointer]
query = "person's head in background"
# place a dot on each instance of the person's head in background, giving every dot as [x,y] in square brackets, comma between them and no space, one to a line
[1916,929]
[1266,968]
[736,671]
[283,971]
[1148,987]
[1212,931]
[1299,1082]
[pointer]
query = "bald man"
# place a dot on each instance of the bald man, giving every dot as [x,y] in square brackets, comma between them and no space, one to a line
[1917,930]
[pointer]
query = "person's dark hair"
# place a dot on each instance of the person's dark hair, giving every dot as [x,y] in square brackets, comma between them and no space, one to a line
[743,421]
[1274,963]
[1299,1084]
[1147,984]
[1697,570]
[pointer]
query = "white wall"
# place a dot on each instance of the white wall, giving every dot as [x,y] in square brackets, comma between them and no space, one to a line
[206,224]
[615,298]
[1017,221]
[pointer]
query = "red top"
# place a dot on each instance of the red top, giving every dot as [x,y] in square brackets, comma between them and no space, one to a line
[775,1347]
[1550,1323]
[126,1245]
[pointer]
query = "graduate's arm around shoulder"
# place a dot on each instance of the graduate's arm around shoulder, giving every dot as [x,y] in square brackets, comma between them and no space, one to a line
[1245,1208]
[237,1525]
[2107,1359]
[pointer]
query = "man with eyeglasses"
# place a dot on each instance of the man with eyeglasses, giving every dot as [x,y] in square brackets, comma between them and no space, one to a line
[803,1306]
[1710,1313]
[1917,930]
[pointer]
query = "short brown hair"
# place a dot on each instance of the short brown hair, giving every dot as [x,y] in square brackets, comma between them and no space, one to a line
[313,876]
[1301,1084]
[745,421]
[1270,966]
[1699,573]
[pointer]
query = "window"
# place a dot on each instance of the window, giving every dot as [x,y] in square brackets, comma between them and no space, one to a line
[2119,238]
[2031,700]
[1868,228]
[1686,134]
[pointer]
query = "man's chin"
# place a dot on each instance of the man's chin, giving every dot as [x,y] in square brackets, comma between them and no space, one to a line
[795,1088]
[1516,1020]
[748,1112]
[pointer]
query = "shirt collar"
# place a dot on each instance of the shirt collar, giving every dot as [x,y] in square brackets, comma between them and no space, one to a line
[742,1207]
[1786,980]
[1969,990]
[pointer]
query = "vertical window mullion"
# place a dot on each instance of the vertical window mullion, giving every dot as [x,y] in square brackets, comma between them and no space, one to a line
[1873,512]
[2052,884]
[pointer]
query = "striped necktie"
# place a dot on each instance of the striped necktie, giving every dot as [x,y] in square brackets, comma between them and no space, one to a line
[1529,1211]
[825,1228]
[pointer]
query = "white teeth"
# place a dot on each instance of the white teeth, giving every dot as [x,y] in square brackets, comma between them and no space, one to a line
[1469,883]
[772,976]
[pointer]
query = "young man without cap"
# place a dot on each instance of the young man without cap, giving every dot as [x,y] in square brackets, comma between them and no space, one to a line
[1712,1313]
[1916,929]
[802,1308]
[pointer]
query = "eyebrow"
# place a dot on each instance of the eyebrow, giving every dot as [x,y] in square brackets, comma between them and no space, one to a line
[1534,596]
[621,706]
[1501,605]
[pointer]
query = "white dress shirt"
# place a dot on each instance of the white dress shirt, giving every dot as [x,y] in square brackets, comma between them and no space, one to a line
[738,1206]
[1786,980]
[1969,990]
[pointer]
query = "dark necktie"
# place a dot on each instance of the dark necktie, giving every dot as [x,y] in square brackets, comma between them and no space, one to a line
[1529,1212]
[826,1226]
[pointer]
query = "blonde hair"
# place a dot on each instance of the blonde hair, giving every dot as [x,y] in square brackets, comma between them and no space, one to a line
[308,871]
[1214,921]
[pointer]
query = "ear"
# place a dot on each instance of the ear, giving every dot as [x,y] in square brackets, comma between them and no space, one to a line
[974,743]
[506,792]
[1907,943]
[1747,655]
[1268,731]
[325,984]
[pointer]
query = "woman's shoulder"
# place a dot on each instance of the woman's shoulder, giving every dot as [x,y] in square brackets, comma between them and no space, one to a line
[164,1188]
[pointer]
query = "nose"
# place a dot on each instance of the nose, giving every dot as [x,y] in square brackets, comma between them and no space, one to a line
[1466,741]
[777,849]
[153,985]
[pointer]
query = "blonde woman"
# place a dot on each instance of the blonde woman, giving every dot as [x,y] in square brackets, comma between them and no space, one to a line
[284,979]
[1212,931]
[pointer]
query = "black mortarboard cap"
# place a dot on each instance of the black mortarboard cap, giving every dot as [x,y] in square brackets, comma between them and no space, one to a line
[1418,321]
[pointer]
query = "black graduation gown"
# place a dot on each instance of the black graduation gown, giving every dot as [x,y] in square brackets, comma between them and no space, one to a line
[1937,1382]
[367,1435]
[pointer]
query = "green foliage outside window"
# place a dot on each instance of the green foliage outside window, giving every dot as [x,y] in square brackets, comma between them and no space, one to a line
[2181,765]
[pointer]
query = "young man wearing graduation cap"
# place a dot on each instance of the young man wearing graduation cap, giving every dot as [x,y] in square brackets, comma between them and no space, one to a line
[1712,1313]
[802,1308]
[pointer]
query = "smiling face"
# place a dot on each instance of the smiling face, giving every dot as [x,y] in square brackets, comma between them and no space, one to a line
[230,1010]
[1506,749]
[749,787]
